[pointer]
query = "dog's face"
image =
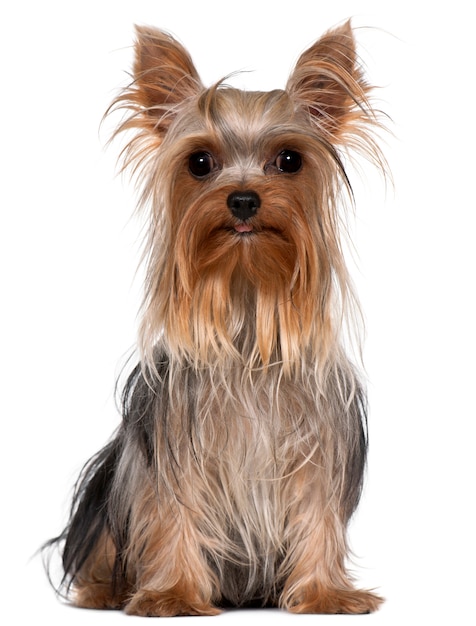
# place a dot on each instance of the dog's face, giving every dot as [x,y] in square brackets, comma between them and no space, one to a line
[251,229]
[245,195]
[245,258]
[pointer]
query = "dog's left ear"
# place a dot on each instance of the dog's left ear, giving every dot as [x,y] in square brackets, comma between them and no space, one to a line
[328,81]
[164,75]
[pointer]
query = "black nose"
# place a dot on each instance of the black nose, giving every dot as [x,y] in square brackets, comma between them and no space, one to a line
[243,204]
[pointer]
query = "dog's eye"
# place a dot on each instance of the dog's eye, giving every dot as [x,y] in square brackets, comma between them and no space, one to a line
[201,164]
[289,161]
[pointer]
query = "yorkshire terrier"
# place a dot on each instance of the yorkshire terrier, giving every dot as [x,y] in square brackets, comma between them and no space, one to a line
[241,453]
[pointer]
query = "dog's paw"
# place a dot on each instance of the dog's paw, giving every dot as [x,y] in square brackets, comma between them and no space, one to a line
[96,596]
[166,604]
[334,601]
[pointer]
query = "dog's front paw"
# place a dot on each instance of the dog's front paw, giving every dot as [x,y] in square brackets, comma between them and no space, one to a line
[333,601]
[167,604]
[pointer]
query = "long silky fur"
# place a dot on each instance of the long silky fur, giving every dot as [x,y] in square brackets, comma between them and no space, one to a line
[242,445]
[242,448]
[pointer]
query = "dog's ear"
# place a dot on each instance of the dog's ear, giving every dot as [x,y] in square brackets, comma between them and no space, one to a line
[328,81]
[164,74]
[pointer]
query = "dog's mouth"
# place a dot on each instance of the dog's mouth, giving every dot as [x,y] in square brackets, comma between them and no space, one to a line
[243,227]
[248,228]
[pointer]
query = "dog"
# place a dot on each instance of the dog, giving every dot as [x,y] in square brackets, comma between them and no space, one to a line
[240,457]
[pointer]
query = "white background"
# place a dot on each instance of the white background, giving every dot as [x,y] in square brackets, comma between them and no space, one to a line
[69,251]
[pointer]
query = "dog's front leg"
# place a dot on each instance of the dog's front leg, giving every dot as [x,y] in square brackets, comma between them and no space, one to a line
[173,577]
[316,578]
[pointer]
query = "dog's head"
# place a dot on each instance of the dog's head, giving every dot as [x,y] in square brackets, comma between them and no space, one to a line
[244,255]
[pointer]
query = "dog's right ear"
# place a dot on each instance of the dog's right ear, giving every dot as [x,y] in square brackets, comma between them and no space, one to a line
[164,75]
[328,82]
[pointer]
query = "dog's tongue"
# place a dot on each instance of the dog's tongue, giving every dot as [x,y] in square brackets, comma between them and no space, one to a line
[242,227]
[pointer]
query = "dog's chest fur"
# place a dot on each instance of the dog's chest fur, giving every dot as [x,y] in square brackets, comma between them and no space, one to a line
[245,455]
